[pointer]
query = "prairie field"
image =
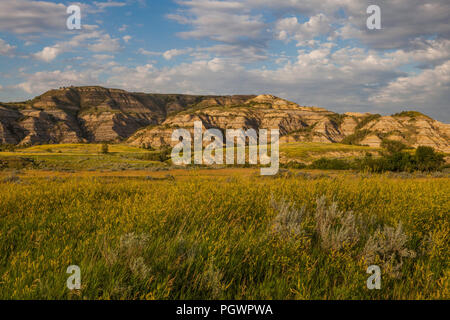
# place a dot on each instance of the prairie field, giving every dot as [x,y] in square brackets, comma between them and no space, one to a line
[223,234]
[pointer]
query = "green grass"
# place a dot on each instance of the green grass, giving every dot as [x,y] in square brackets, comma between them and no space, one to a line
[122,156]
[84,157]
[411,114]
[214,237]
[308,151]
[80,149]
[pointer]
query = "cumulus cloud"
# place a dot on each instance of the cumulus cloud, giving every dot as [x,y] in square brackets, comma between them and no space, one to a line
[169,54]
[109,4]
[290,28]
[225,22]
[419,90]
[6,49]
[103,56]
[104,43]
[48,54]
[90,38]
[148,53]
[25,16]
[43,81]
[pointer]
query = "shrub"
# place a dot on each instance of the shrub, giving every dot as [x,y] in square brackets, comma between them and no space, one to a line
[16,163]
[7,147]
[388,246]
[129,254]
[337,118]
[428,160]
[356,138]
[330,164]
[105,148]
[12,178]
[289,220]
[393,146]
[425,159]
[335,228]
[294,165]
[410,114]
[162,155]
[366,120]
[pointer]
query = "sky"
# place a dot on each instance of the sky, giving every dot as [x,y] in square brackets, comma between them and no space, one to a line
[315,53]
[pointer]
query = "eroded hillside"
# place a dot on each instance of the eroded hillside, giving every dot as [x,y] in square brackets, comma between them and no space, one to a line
[96,114]
[304,124]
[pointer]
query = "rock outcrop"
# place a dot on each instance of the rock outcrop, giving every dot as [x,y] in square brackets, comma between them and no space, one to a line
[93,114]
[96,114]
[308,124]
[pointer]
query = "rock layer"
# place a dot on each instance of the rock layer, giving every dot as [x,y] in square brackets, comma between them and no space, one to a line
[96,114]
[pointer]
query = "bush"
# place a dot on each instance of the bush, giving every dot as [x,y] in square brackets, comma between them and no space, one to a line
[161,156]
[366,120]
[289,220]
[330,164]
[16,163]
[294,165]
[425,159]
[388,246]
[356,138]
[105,148]
[7,147]
[393,146]
[428,160]
[336,229]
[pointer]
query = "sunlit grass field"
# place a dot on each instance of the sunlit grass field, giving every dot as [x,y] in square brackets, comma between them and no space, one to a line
[223,234]
[84,157]
[308,151]
[64,157]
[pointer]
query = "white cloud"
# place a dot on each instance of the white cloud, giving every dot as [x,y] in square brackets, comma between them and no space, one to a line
[127,38]
[90,38]
[48,54]
[103,56]
[230,23]
[403,21]
[417,90]
[104,43]
[109,4]
[290,28]
[42,81]
[25,16]
[6,49]
[169,54]
[148,53]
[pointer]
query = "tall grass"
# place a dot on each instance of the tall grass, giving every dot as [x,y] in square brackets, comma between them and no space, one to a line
[240,238]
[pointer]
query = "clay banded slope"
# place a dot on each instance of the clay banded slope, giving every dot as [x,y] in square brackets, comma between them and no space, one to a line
[304,124]
[97,114]
[92,114]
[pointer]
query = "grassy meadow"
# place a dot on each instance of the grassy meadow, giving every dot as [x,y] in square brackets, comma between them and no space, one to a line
[146,233]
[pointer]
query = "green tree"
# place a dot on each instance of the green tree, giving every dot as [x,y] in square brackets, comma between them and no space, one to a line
[393,146]
[105,148]
[428,160]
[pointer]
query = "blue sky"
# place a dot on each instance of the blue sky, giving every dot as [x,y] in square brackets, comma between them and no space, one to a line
[316,53]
